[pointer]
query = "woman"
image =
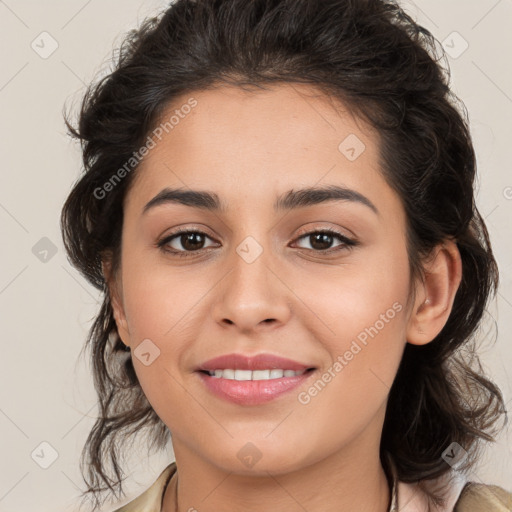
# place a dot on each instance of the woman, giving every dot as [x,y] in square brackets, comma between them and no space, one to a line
[278,206]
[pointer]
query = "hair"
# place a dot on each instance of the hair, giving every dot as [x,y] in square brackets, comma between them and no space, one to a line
[387,70]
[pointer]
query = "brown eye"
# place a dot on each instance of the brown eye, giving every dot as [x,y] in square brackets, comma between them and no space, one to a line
[321,241]
[192,241]
[183,242]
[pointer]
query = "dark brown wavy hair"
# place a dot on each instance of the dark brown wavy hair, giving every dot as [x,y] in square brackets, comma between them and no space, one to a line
[391,72]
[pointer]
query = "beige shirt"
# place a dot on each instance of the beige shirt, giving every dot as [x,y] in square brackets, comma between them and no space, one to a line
[463,497]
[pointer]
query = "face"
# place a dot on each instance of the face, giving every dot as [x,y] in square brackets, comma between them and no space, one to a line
[323,282]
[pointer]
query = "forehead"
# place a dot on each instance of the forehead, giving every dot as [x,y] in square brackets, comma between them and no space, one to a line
[284,116]
[259,142]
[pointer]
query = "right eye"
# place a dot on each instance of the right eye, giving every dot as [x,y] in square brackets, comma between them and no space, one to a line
[190,241]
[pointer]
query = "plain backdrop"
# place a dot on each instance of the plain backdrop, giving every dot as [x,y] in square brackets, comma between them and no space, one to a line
[50,51]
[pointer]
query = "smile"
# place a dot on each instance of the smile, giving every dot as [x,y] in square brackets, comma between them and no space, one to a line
[269,374]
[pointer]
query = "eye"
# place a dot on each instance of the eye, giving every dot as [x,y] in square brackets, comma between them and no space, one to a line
[183,242]
[321,240]
[186,242]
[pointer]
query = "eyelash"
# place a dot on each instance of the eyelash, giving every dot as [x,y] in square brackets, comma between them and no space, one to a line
[347,243]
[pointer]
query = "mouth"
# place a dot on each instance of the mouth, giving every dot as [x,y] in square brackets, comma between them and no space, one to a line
[259,362]
[245,380]
[254,375]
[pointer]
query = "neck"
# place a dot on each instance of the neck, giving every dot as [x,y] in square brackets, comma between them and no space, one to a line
[351,479]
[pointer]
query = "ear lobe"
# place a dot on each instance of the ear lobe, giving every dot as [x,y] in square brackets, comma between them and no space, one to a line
[115,291]
[435,296]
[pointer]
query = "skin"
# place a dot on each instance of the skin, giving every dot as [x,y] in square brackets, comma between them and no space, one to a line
[292,301]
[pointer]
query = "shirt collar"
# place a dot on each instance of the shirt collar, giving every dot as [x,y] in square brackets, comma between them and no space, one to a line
[406,497]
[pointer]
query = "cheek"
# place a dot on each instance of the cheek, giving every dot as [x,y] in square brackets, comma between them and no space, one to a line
[364,307]
[164,312]
[352,390]
[160,300]
[346,299]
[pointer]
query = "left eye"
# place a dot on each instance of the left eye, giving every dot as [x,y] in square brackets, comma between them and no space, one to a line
[319,239]
[193,241]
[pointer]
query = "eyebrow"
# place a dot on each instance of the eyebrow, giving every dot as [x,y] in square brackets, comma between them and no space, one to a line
[292,199]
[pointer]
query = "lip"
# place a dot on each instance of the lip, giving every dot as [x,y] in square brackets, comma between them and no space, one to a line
[250,392]
[257,362]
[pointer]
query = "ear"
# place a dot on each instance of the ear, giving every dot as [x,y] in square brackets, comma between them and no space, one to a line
[436,294]
[115,292]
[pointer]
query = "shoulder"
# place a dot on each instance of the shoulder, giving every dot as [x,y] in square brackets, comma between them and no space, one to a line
[151,499]
[476,497]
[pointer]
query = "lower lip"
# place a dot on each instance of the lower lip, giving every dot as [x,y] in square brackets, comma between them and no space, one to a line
[252,392]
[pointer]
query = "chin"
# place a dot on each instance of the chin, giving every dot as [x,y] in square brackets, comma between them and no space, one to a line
[257,460]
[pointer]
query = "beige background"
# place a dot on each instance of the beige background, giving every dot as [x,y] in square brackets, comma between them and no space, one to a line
[46,307]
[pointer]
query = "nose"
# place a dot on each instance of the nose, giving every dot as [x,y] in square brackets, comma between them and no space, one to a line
[252,296]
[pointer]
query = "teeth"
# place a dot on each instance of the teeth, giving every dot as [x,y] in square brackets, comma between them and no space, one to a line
[261,375]
[254,375]
[243,375]
[228,374]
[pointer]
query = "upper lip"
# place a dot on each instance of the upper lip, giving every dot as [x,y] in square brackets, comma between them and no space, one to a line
[257,362]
